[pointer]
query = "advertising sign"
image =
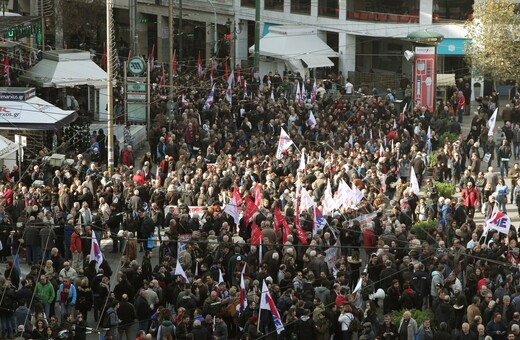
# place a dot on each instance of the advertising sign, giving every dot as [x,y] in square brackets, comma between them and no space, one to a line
[424,76]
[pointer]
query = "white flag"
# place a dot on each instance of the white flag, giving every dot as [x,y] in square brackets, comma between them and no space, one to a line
[381,150]
[220,277]
[358,195]
[267,303]
[413,182]
[298,94]
[492,121]
[306,201]
[232,210]
[95,251]
[302,162]
[179,271]
[312,121]
[284,143]
[328,201]
[229,94]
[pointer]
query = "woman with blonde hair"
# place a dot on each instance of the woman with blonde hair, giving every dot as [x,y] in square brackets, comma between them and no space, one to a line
[85,298]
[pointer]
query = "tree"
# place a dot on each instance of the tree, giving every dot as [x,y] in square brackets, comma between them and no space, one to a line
[84,22]
[492,47]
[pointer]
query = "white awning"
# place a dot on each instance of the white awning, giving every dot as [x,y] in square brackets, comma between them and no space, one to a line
[294,42]
[7,147]
[66,68]
[316,60]
[20,109]
[447,79]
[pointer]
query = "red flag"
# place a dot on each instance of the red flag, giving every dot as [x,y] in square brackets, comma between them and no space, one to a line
[251,209]
[104,59]
[258,194]
[162,82]
[285,230]
[301,235]
[236,195]
[174,62]
[239,80]
[226,71]
[278,219]
[199,67]
[130,55]
[256,234]
[6,70]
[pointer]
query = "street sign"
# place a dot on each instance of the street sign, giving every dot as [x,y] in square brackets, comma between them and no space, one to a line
[136,66]
[20,140]
[136,96]
[136,87]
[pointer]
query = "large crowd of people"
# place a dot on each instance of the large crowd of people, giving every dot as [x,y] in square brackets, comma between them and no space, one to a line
[362,270]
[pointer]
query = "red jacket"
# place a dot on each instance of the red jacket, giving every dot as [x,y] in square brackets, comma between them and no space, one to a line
[75,242]
[470,197]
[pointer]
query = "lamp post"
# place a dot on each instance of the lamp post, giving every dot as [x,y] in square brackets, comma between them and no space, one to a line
[233,30]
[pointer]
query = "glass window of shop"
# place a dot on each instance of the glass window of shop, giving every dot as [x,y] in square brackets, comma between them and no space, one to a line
[328,8]
[301,7]
[248,3]
[452,10]
[274,5]
[410,7]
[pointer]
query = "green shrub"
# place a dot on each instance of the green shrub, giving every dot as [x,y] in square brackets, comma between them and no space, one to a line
[450,136]
[417,315]
[433,159]
[423,228]
[446,190]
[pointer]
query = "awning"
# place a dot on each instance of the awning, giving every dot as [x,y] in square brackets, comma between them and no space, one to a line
[7,147]
[295,42]
[20,109]
[316,60]
[66,68]
[451,46]
[447,79]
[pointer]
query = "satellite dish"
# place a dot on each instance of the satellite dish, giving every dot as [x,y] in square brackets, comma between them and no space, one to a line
[409,55]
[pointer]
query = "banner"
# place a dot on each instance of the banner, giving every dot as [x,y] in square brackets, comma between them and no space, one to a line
[424,76]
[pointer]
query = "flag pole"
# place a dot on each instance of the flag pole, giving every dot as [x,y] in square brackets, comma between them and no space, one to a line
[259,313]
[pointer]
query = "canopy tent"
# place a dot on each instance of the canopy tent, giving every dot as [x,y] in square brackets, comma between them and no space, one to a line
[447,79]
[66,68]
[20,109]
[7,147]
[295,44]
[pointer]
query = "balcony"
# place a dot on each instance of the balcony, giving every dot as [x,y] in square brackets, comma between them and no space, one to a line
[412,17]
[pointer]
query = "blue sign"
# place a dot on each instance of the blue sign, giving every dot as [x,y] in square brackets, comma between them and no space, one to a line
[451,46]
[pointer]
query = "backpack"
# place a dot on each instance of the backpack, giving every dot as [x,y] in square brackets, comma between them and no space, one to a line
[168,330]
[105,322]
[354,325]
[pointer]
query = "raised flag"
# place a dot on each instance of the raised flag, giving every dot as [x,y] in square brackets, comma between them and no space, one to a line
[231,78]
[304,94]
[174,62]
[245,88]
[328,200]
[301,235]
[239,78]
[199,67]
[284,143]
[306,201]
[272,95]
[311,121]
[258,194]
[499,222]
[279,220]
[260,252]
[351,141]
[314,92]
[236,195]
[243,293]
[95,251]
[428,141]
[130,55]
[301,166]
[229,94]
[232,210]
[319,221]
[220,277]
[256,234]
[357,196]
[251,209]
[179,271]
[162,82]
[285,230]
[414,184]
[209,100]
[152,58]
[298,94]
[401,116]
[492,121]
[381,150]
[267,303]
[211,71]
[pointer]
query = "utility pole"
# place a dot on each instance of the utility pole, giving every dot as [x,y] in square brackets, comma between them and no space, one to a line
[43,24]
[133,30]
[110,133]
[170,45]
[257,36]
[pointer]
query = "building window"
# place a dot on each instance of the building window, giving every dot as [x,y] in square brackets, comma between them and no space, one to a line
[389,10]
[301,7]
[452,10]
[274,5]
[248,3]
[328,8]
